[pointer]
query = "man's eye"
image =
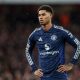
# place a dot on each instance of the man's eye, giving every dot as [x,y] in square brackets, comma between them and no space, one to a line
[43,14]
[38,14]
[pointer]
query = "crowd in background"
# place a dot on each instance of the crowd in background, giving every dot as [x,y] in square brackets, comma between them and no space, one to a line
[16,23]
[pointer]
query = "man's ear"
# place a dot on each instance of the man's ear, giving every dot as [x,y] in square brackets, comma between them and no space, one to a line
[51,15]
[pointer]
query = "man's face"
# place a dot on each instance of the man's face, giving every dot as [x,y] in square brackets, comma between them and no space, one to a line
[44,17]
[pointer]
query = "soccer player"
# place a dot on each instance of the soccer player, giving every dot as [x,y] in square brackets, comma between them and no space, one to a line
[50,41]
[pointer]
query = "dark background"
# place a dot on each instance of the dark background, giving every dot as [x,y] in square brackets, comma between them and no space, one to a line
[16,23]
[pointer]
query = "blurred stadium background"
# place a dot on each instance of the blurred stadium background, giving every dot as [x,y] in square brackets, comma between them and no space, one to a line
[18,18]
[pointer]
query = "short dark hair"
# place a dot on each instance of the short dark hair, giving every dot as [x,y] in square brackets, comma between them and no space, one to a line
[46,7]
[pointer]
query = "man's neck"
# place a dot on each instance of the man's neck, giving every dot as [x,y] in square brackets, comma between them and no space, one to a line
[47,27]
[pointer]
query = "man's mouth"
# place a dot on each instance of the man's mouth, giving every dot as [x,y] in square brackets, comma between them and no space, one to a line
[41,21]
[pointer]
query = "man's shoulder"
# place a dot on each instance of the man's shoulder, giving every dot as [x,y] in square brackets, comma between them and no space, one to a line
[35,31]
[60,28]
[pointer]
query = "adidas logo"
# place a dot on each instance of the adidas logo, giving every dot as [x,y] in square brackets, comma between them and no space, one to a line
[40,39]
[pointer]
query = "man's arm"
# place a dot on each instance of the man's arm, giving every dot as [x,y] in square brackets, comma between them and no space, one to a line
[76,44]
[72,40]
[29,50]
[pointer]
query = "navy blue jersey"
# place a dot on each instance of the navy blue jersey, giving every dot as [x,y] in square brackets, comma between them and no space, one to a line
[51,48]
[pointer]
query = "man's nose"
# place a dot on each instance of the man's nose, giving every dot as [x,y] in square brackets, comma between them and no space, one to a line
[41,17]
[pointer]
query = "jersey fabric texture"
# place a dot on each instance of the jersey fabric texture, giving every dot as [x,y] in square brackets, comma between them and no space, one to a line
[51,48]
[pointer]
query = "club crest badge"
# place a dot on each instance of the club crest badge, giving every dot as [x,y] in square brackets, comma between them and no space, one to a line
[53,37]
